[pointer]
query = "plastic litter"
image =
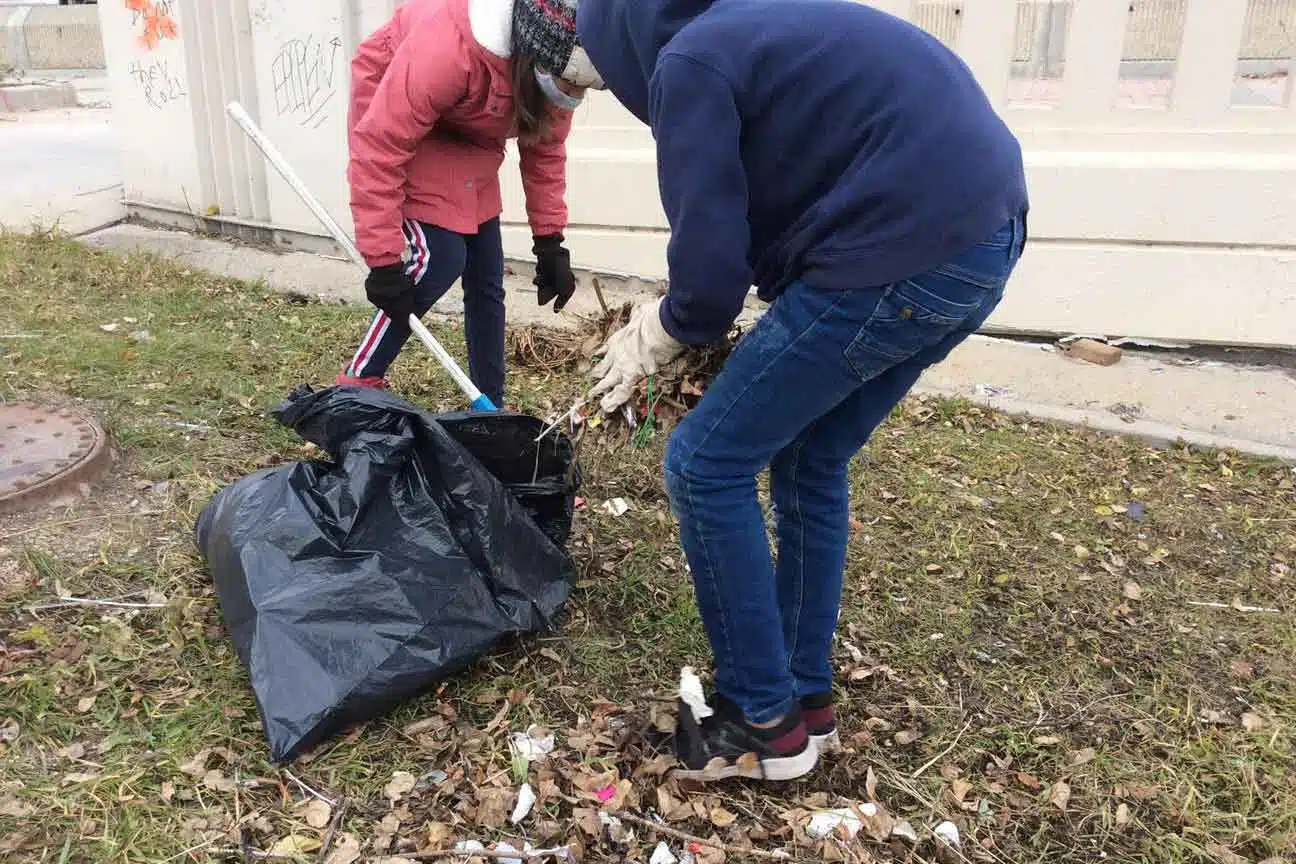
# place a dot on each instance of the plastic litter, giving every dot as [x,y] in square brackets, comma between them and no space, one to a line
[351,584]
[532,745]
[526,800]
[663,855]
[947,833]
[825,823]
[691,694]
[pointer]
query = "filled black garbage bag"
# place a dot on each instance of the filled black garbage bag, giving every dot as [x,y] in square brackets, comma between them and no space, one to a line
[351,584]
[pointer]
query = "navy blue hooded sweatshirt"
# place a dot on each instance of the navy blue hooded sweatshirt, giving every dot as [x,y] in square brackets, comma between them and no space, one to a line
[814,140]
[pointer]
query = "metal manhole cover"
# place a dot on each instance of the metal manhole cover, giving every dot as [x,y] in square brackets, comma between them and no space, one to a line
[46,453]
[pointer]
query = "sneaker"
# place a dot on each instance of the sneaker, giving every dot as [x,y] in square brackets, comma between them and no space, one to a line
[375,381]
[821,722]
[724,745]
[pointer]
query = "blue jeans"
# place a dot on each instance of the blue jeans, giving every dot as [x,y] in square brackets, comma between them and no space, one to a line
[801,394]
[437,258]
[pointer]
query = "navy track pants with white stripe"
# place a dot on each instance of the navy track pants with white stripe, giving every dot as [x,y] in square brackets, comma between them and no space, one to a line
[437,258]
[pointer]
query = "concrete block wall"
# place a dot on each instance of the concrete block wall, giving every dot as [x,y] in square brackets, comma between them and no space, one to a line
[50,37]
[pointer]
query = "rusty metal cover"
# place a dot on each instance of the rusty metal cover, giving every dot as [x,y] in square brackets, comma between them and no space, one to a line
[46,453]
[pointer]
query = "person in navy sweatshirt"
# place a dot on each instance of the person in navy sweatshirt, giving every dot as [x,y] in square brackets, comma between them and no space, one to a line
[849,166]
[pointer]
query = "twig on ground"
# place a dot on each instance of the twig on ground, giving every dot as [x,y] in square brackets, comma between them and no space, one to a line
[339,813]
[308,790]
[667,831]
[492,854]
[45,526]
[941,755]
[65,602]
[1236,607]
[598,292]
[19,336]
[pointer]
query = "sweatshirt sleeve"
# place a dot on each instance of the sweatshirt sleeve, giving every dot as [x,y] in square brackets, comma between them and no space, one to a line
[704,192]
[544,176]
[426,76]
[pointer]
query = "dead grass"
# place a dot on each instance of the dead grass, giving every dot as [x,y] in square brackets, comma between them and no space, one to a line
[1020,653]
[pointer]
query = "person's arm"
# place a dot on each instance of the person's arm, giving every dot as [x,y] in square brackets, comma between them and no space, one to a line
[544,176]
[426,76]
[704,192]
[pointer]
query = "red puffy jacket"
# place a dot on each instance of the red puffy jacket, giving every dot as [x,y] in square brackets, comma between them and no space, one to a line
[430,112]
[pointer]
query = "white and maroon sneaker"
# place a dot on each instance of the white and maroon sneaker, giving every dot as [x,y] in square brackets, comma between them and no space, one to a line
[723,745]
[821,722]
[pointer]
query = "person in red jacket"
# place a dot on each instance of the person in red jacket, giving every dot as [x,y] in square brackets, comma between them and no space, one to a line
[435,94]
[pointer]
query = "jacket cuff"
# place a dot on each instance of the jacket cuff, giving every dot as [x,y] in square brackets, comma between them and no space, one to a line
[376,261]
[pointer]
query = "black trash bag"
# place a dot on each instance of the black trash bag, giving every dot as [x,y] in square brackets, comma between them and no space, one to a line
[348,586]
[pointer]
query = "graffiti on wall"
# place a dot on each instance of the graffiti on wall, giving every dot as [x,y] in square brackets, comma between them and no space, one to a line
[303,73]
[157,82]
[154,21]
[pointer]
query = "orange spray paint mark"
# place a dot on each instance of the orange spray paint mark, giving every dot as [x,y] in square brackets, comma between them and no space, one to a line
[156,20]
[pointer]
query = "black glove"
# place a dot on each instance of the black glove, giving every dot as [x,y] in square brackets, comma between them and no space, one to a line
[392,290]
[554,277]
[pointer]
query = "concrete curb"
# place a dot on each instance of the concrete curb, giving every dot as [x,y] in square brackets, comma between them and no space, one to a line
[21,98]
[1158,434]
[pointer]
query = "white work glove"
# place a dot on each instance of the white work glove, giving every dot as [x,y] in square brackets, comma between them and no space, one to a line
[634,352]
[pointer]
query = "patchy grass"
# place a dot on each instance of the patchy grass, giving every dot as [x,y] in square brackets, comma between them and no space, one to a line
[1023,648]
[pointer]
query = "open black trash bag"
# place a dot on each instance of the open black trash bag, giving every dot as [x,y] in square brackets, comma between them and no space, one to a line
[350,585]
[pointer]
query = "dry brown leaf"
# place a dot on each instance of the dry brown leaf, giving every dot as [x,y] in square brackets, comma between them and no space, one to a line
[870,784]
[1225,855]
[1084,756]
[877,822]
[1252,722]
[218,782]
[1060,795]
[85,704]
[656,767]
[671,809]
[168,791]
[1132,591]
[493,806]
[589,822]
[79,777]
[722,818]
[72,751]
[197,766]
[905,737]
[709,854]
[15,808]
[1241,669]
[346,850]
[294,845]
[959,790]
[439,836]
[949,772]
[317,813]
[385,832]
[1123,816]
[1047,740]
[400,785]
[1029,781]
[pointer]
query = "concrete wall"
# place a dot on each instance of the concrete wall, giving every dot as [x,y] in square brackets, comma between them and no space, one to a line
[50,37]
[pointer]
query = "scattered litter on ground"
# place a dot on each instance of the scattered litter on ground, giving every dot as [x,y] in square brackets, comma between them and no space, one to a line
[947,833]
[993,391]
[526,800]
[534,744]
[692,695]
[825,823]
[616,507]
[663,855]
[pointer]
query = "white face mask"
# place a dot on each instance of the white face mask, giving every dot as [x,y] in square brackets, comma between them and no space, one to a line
[554,93]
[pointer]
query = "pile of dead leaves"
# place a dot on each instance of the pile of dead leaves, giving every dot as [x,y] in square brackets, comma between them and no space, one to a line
[658,403]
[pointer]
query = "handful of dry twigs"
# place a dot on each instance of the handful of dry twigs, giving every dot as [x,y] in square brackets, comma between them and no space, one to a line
[658,403]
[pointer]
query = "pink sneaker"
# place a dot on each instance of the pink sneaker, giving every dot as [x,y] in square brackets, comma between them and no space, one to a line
[375,381]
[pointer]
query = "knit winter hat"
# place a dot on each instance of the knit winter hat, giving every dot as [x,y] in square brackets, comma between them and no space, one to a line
[546,30]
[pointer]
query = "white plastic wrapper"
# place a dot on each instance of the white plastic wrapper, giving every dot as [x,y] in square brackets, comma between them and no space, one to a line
[691,694]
